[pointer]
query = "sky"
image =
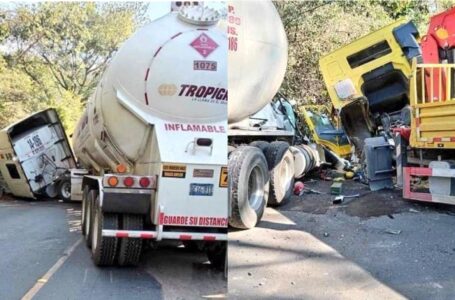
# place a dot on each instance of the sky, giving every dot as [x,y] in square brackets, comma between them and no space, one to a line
[158,9]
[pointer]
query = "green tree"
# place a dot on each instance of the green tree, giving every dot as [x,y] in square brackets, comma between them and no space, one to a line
[416,10]
[62,48]
[315,28]
[74,41]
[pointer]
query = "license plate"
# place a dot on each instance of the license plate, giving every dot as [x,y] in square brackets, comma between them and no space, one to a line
[198,189]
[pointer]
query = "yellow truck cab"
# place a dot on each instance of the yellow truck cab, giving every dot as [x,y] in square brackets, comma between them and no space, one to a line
[370,77]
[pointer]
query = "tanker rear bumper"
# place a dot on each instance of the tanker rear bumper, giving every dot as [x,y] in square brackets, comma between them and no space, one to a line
[166,235]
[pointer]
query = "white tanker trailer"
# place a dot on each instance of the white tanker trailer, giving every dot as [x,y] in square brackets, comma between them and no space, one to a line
[262,167]
[153,141]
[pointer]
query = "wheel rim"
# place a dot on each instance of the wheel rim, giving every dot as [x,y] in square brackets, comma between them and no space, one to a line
[66,190]
[255,188]
[95,232]
[286,173]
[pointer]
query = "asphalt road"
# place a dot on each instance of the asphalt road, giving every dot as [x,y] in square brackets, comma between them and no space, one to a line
[42,254]
[375,247]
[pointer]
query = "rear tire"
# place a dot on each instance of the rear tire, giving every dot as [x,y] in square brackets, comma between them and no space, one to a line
[92,195]
[263,145]
[281,169]
[104,249]
[64,189]
[51,191]
[230,150]
[248,185]
[131,248]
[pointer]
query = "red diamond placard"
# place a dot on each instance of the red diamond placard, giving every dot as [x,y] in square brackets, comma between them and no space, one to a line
[204,45]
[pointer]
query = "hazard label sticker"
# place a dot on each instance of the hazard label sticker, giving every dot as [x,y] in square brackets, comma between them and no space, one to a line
[224,177]
[204,45]
[176,171]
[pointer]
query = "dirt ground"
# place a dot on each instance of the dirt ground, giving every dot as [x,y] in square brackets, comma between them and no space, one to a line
[369,204]
[374,247]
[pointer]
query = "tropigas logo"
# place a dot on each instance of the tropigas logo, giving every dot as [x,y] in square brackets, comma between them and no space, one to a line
[204,93]
[167,89]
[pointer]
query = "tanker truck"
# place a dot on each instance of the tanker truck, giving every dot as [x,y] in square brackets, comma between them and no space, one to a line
[262,164]
[152,140]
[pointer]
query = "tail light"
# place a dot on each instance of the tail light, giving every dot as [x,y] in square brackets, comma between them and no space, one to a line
[112,181]
[144,182]
[128,181]
[121,168]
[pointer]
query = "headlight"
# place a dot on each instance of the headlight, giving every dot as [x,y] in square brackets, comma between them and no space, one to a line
[345,89]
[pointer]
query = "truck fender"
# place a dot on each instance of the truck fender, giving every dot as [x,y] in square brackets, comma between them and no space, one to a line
[95,182]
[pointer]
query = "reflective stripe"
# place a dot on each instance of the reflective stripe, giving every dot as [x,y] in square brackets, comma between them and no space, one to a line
[185,237]
[165,235]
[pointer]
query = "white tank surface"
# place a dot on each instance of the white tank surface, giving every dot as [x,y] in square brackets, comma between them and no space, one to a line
[171,75]
[257,56]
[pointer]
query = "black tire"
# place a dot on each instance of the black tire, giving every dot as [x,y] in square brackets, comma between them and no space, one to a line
[131,248]
[84,209]
[104,249]
[279,160]
[308,158]
[92,195]
[311,155]
[216,254]
[248,186]
[64,189]
[51,191]
[263,145]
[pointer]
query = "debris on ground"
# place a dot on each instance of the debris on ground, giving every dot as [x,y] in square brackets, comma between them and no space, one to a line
[336,188]
[339,199]
[349,175]
[298,188]
[311,191]
[393,231]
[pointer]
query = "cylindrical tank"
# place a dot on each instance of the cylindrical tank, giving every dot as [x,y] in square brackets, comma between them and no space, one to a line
[174,69]
[257,56]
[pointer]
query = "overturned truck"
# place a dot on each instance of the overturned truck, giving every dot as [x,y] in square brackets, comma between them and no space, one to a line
[35,157]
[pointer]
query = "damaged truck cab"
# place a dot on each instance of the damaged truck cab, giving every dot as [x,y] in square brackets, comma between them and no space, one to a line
[370,77]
